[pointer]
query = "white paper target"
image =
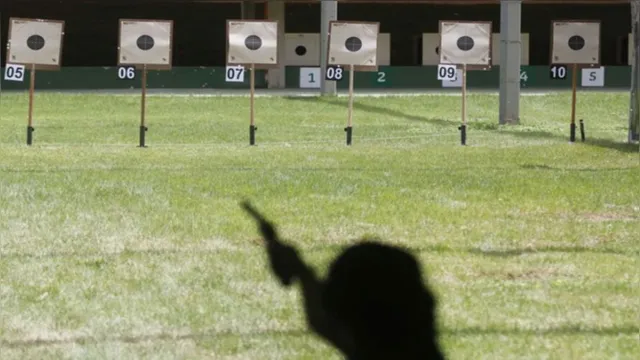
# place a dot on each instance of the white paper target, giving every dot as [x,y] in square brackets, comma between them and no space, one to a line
[430,49]
[465,43]
[35,42]
[353,43]
[145,42]
[575,42]
[252,42]
[302,49]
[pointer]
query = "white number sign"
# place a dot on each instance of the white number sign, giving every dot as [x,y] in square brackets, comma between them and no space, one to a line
[558,72]
[126,72]
[234,74]
[447,72]
[593,77]
[14,72]
[310,78]
[334,73]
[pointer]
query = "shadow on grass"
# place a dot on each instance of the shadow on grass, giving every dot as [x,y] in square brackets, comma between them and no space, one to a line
[374,109]
[597,142]
[214,335]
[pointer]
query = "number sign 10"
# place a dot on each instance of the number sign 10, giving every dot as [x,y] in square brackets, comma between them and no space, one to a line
[558,72]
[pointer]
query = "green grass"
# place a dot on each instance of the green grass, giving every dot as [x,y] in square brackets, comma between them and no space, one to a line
[111,251]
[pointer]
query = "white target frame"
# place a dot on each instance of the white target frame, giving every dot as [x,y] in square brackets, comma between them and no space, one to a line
[340,32]
[159,56]
[266,56]
[51,32]
[481,34]
[562,54]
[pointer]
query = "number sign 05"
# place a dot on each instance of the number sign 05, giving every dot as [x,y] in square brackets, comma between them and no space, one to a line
[14,72]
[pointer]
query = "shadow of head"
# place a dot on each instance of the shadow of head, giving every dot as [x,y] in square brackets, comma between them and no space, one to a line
[377,293]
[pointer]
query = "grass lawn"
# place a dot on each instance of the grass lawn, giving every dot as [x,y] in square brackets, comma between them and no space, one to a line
[110,251]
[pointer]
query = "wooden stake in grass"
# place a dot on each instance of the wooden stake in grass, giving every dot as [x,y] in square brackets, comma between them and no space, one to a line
[349,127]
[574,85]
[463,127]
[143,127]
[252,91]
[32,86]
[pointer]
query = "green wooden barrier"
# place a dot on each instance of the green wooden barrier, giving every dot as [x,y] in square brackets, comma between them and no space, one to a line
[388,77]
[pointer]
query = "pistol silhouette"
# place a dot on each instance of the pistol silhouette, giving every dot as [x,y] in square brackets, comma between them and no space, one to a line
[285,261]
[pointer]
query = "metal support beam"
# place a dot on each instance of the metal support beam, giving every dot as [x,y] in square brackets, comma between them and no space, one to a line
[634,106]
[510,60]
[276,11]
[328,12]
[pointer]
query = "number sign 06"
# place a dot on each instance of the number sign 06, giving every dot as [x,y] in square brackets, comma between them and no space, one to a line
[126,72]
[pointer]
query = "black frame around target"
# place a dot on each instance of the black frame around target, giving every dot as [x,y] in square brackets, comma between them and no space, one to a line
[35,42]
[253,42]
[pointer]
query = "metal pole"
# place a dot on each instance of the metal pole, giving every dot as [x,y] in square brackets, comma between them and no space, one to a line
[510,61]
[328,12]
[634,106]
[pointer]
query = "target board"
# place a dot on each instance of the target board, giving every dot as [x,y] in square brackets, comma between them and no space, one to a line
[354,43]
[35,42]
[466,43]
[145,43]
[431,49]
[303,49]
[252,42]
[575,42]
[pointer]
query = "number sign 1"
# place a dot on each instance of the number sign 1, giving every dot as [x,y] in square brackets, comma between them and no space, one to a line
[334,73]
[447,72]
[558,72]
[309,77]
[14,72]
[234,74]
[126,72]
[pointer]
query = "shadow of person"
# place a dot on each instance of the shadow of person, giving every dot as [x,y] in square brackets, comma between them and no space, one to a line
[372,305]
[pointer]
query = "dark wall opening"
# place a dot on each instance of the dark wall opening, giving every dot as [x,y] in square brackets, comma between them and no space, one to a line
[91,31]
[407,22]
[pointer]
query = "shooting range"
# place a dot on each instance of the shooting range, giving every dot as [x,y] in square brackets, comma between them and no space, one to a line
[145,44]
[467,46]
[354,45]
[34,44]
[253,44]
[576,44]
[443,209]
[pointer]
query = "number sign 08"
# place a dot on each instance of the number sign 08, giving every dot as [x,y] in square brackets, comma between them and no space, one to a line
[334,73]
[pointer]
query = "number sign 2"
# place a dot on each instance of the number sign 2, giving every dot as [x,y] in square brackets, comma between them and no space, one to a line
[234,73]
[334,73]
[558,72]
[14,72]
[447,72]
[126,72]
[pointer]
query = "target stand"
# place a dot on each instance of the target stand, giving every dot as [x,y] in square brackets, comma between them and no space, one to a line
[36,44]
[467,46]
[575,43]
[253,43]
[145,44]
[354,45]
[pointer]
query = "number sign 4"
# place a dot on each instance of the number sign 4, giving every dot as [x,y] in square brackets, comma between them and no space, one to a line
[14,72]
[126,72]
[447,72]
[234,74]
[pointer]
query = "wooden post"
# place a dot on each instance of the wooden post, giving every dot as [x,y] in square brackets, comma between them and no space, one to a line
[143,103]
[349,128]
[463,127]
[252,91]
[574,85]
[32,89]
